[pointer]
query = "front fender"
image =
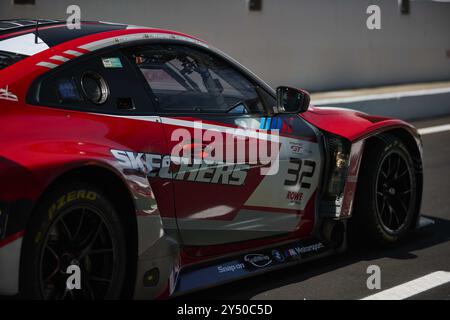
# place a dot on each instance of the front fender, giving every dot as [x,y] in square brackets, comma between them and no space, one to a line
[358,127]
[354,125]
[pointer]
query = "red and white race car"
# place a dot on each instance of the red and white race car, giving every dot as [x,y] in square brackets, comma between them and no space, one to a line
[157,165]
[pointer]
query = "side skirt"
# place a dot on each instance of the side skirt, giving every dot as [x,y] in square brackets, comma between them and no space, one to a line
[251,263]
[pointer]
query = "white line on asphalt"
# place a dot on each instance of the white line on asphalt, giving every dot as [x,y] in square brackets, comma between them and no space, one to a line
[413,287]
[435,129]
[381,96]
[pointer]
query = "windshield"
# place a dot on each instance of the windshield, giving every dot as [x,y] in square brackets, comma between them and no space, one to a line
[9,58]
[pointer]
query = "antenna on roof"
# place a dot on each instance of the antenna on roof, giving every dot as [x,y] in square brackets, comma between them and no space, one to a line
[36,33]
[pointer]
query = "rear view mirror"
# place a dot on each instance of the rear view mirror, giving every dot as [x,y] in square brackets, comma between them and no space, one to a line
[291,100]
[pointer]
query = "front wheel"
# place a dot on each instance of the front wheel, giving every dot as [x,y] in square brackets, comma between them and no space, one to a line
[76,225]
[385,203]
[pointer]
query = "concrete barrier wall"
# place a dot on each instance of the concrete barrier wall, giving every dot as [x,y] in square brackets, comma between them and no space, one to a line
[313,44]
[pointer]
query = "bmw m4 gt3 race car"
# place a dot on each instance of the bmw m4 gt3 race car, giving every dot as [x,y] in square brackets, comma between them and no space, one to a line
[157,165]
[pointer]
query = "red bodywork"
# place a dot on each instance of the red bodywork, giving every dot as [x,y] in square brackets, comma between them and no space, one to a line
[39,145]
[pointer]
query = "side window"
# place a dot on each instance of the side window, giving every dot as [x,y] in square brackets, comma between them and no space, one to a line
[103,83]
[183,79]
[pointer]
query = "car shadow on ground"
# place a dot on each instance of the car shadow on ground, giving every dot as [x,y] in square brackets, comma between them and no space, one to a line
[245,289]
[423,238]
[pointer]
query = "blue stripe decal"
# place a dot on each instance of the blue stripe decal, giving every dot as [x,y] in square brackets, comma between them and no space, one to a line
[271,123]
[268,123]
[262,125]
[274,124]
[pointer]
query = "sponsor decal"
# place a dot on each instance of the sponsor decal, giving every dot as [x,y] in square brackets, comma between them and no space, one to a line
[258,260]
[230,268]
[278,256]
[312,248]
[294,196]
[298,148]
[112,63]
[5,94]
[168,167]
[228,145]
[277,123]
[69,197]
[304,251]
[248,264]
[292,253]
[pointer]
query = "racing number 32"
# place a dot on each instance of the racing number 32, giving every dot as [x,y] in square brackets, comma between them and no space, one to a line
[297,174]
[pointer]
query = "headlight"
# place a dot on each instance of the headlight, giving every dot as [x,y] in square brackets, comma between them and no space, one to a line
[338,153]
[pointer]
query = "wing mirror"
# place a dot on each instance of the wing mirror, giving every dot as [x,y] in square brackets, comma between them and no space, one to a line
[291,100]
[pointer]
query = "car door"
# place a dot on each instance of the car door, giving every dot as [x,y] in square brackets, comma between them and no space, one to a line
[238,175]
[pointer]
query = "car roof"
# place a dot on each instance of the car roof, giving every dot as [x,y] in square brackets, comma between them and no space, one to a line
[29,37]
[47,44]
[54,44]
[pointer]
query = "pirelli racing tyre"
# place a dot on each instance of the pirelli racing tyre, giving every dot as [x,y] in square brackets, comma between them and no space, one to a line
[75,225]
[387,190]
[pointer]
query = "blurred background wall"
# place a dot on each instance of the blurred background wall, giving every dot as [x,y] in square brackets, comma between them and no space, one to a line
[313,44]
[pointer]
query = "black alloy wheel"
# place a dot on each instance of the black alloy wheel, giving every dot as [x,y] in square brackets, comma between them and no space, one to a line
[75,231]
[394,190]
[385,204]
